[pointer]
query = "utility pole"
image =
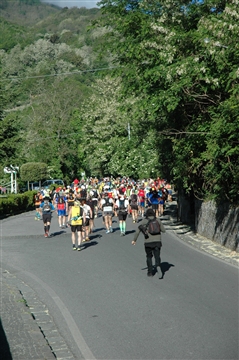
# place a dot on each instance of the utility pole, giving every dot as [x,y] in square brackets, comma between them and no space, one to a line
[129,130]
[13,171]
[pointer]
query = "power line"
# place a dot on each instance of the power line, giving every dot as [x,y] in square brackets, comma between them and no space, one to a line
[59,74]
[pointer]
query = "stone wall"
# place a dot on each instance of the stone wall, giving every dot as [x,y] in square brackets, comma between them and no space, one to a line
[219,223]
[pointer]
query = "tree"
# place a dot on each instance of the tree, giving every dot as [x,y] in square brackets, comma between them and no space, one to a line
[106,144]
[181,81]
[51,137]
[33,171]
[9,133]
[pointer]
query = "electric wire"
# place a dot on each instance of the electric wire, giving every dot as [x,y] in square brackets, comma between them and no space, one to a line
[58,74]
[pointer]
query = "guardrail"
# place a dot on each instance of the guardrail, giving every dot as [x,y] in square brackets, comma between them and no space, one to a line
[5,188]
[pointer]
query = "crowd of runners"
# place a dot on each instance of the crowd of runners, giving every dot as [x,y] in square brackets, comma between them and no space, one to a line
[78,204]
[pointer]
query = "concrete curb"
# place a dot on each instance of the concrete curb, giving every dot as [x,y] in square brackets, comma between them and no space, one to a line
[30,330]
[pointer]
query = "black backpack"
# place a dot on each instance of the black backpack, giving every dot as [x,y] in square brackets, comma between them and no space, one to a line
[153,227]
[71,197]
[46,206]
[155,194]
[107,202]
[91,204]
[122,205]
[133,198]
[95,195]
[83,193]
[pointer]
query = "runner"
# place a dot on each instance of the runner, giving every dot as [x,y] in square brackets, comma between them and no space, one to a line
[122,205]
[153,200]
[77,219]
[46,208]
[95,196]
[141,201]
[86,223]
[134,206]
[107,205]
[61,209]
[70,202]
[90,202]
[152,241]
[37,200]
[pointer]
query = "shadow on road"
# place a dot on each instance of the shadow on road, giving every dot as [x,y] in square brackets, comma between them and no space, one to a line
[58,233]
[165,266]
[130,232]
[96,236]
[4,346]
[99,229]
[89,244]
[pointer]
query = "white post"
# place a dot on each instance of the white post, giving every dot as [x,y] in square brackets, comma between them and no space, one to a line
[15,182]
[12,185]
[129,130]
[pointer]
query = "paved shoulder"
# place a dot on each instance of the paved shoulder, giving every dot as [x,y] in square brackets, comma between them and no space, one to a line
[27,330]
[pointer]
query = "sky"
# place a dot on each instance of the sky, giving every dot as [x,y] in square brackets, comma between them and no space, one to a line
[70,3]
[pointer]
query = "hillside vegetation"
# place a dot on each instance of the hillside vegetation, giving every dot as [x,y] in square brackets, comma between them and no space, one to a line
[133,89]
[26,12]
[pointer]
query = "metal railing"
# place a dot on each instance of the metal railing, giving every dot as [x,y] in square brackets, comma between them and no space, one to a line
[5,188]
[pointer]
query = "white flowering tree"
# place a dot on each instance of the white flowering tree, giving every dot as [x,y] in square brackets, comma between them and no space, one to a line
[181,59]
[110,140]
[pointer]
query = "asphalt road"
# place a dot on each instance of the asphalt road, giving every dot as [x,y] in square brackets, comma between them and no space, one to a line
[105,306]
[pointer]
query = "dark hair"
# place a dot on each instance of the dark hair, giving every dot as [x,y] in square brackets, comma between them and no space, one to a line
[150,212]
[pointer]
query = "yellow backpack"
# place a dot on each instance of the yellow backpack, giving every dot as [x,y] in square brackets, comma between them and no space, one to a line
[76,215]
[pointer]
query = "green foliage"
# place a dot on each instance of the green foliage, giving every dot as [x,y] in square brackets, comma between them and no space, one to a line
[106,146]
[183,83]
[11,35]
[25,12]
[33,171]
[222,154]
[14,204]
[42,102]
[9,133]
[178,92]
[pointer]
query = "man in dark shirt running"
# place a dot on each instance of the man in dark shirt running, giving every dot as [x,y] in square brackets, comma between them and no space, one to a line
[152,243]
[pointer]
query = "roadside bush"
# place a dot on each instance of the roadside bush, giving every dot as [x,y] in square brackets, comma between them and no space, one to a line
[16,203]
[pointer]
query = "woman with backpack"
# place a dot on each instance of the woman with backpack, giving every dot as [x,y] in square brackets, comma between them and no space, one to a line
[61,210]
[123,208]
[107,205]
[133,201]
[141,201]
[46,208]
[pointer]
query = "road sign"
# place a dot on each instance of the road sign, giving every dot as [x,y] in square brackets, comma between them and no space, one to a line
[7,170]
[11,169]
